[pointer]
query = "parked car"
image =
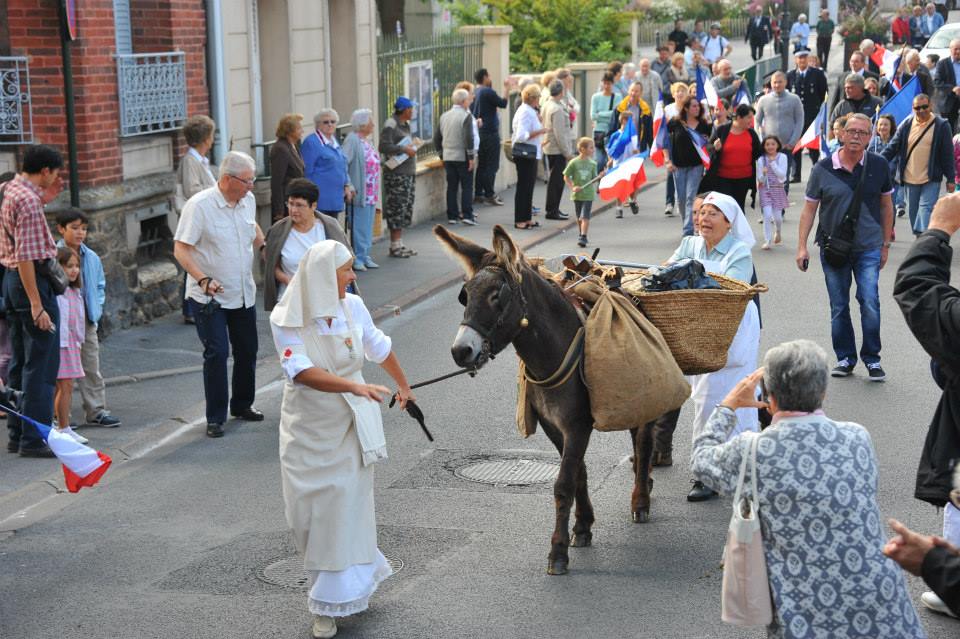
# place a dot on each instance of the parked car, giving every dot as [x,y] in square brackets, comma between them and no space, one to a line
[939,42]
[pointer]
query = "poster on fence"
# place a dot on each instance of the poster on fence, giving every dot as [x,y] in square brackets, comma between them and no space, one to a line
[418,86]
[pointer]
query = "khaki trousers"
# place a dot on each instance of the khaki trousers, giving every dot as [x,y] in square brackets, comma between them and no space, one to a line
[93,392]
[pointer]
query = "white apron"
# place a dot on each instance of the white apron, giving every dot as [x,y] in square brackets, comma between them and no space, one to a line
[710,389]
[327,489]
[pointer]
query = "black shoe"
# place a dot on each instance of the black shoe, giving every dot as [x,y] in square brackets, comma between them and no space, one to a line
[214,430]
[619,213]
[795,180]
[699,492]
[250,414]
[843,368]
[42,451]
[189,319]
[582,241]
[557,216]
[875,371]
[104,420]
[12,446]
[634,208]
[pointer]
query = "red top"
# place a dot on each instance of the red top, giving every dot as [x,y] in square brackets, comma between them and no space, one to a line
[900,28]
[736,160]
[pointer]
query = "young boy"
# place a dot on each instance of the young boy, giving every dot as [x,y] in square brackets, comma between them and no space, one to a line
[72,226]
[578,173]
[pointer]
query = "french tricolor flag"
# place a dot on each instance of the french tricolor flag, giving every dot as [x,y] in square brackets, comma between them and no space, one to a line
[622,181]
[813,137]
[700,144]
[706,92]
[659,133]
[742,96]
[886,60]
[82,465]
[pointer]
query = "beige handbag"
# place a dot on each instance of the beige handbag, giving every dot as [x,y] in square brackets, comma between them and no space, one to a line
[745,595]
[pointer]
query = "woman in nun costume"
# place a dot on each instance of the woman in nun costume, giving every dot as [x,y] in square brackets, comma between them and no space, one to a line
[331,431]
[723,247]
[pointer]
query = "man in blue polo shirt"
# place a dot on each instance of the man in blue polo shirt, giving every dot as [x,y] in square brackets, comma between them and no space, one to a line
[485,105]
[830,189]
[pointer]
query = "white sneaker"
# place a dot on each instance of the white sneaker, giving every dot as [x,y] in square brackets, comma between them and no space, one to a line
[766,246]
[935,603]
[324,627]
[77,437]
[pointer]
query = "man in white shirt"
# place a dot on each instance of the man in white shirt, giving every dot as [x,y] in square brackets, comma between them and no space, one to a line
[214,243]
[715,46]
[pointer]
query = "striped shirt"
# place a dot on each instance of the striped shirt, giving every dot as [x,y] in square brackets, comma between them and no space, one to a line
[24,233]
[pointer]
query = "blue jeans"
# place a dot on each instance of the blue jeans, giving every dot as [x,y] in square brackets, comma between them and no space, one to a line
[220,331]
[362,232]
[600,152]
[687,180]
[35,357]
[459,179]
[864,267]
[671,185]
[920,200]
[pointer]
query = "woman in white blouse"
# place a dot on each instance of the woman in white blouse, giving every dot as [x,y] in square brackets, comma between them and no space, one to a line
[331,431]
[527,129]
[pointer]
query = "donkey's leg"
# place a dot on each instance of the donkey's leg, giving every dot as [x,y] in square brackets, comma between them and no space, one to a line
[564,492]
[642,453]
[582,536]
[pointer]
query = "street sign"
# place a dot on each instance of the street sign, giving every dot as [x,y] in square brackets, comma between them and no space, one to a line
[70,24]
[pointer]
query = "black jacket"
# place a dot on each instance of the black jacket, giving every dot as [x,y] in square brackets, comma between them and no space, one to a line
[941,164]
[811,89]
[941,571]
[947,102]
[931,308]
[758,35]
[715,156]
[839,94]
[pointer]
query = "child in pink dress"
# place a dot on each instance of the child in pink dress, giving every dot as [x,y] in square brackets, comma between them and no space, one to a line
[71,331]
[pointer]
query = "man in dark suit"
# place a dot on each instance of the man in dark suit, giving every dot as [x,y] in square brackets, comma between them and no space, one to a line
[758,33]
[810,85]
[857,66]
[945,81]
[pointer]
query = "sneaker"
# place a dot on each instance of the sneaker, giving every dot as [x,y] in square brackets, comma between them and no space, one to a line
[324,627]
[935,603]
[104,420]
[214,430]
[634,208]
[535,210]
[495,200]
[766,246]
[619,213]
[77,437]
[875,371]
[666,211]
[359,266]
[469,221]
[370,263]
[402,251]
[901,213]
[582,241]
[453,222]
[843,368]
[406,249]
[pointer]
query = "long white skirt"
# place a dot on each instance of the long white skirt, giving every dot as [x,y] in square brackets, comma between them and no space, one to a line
[338,593]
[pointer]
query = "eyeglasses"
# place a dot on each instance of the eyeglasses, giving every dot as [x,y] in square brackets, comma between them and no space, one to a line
[328,121]
[856,133]
[297,204]
[921,107]
[247,183]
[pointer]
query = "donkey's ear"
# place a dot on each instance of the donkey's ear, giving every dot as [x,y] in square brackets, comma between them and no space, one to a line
[471,256]
[507,252]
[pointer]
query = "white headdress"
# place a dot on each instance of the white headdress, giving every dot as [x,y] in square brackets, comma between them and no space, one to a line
[312,293]
[739,226]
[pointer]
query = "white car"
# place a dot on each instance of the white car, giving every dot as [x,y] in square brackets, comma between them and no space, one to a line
[939,42]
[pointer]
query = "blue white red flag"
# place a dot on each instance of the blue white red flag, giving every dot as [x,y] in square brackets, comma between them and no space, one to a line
[660,137]
[706,92]
[623,143]
[742,96]
[901,104]
[82,465]
[621,182]
[885,59]
[813,137]
[700,144]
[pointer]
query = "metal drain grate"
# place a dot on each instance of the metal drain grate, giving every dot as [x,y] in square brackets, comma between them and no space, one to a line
[288,572]
[509,472]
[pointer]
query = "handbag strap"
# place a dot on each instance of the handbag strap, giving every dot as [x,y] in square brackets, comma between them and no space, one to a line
[917,141]
[748,436]
[853,211]
[753,471]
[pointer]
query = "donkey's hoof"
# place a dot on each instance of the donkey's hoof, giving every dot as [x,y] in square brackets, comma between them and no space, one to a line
[641,516]
[557,567]
[582,540]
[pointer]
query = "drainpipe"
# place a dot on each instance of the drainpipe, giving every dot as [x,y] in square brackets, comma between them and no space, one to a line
[69,102]
[256,108]
[215,79]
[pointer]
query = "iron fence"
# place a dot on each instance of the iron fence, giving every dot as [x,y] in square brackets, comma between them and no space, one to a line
[153,92]
[426,70]
[655,33]
[16,113]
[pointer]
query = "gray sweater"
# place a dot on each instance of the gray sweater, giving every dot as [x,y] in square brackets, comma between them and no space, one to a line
[724,86]
[453,139]
[780,114]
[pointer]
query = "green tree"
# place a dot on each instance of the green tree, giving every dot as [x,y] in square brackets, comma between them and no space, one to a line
[549,33]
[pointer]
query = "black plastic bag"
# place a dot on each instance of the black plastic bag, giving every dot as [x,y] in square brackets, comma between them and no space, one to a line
[682,275]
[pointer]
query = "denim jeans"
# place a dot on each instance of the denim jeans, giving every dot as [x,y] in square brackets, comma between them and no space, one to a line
[687,180]
[864,267]
[220,331]
[35,357]
[671,190]
[920,199]
[488,163]
[459,179]
[362,232]
[600,152]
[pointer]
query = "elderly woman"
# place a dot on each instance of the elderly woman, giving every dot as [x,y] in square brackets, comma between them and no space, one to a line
[289,239]
[325,165]
[817,503]
[527,129]
[677,71]
[331,431]
[363,166]
[723,247]
[285,162]
[194,175]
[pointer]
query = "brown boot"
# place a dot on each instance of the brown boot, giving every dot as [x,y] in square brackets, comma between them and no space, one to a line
[661,458]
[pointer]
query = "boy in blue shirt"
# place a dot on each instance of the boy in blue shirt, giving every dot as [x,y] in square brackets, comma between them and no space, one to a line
[72,225]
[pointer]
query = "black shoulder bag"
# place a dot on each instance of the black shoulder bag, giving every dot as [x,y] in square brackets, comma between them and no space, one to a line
[49,268]
[838,245]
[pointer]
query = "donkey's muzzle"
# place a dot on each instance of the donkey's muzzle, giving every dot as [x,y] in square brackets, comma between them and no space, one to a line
[468,348]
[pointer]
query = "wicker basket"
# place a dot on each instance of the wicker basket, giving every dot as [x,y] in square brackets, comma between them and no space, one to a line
[698,324]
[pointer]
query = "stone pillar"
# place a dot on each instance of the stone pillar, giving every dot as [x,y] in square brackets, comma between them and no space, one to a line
[495,58]
[588,76]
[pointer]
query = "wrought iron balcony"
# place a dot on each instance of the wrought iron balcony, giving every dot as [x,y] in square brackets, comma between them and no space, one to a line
[16,115]
[153,92]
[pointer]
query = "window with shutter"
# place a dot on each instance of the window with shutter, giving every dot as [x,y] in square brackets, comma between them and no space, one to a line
[121,24]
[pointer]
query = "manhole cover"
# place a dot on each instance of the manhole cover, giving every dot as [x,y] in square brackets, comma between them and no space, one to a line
[288,572]
[509,472]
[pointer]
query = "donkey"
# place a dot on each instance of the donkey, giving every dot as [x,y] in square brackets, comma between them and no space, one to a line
[508,301]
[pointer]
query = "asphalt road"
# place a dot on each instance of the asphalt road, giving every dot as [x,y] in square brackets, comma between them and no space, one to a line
[171,544]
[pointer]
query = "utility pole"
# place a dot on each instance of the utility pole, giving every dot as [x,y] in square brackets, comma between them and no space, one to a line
[68,33]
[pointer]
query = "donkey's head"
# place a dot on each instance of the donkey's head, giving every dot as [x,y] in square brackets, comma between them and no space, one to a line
[494,305]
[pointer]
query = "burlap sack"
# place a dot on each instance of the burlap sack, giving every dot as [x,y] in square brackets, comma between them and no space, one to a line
[630,373]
